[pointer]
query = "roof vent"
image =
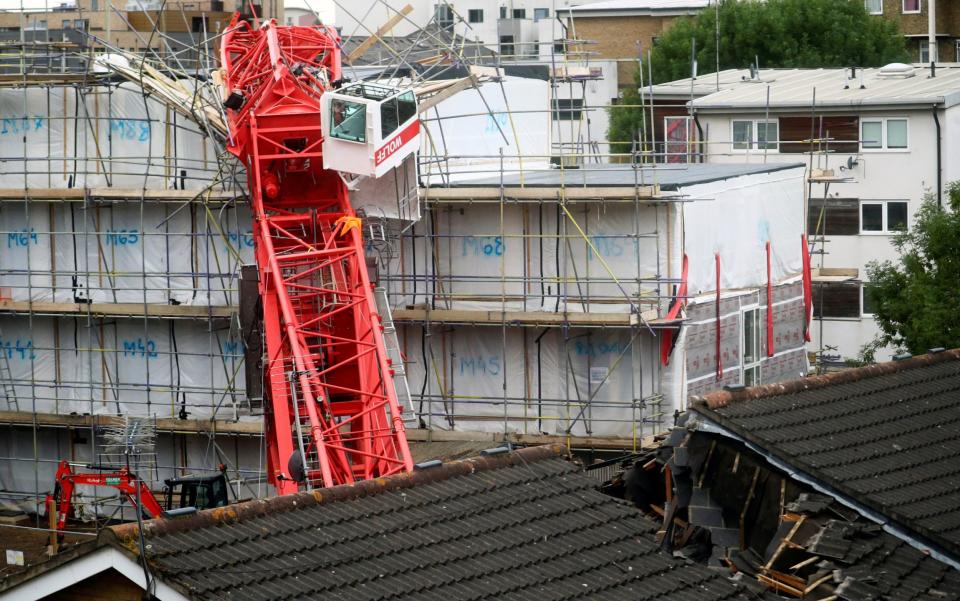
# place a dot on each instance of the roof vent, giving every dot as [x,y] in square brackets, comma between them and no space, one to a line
[897,70]
[902,356]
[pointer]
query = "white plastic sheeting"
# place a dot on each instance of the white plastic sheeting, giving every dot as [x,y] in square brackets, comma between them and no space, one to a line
[124,367]
[531,382]
[59,137]
[532,258]
[736,218]
[475,127]
[120,253]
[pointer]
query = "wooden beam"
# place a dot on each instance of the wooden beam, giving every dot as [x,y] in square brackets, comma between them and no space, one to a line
[254,428]
[113,195]
[378,34]
[532,318]
[458,86]
[571,192]
[118,309]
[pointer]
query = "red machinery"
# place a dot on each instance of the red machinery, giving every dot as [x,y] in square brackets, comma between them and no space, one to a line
[201,492]
[333,415]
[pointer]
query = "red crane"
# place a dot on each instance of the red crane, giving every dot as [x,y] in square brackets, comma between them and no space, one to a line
[333,415]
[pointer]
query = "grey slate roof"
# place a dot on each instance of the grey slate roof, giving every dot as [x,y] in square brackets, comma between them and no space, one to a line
[887,436]
[526,525]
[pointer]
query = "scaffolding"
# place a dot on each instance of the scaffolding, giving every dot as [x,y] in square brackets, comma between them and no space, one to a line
[528,299]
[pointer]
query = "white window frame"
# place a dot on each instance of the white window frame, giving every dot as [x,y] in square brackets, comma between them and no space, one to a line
[866,5]
[757,363]
[903,8]
[883,134]
[754,145]
[886,231]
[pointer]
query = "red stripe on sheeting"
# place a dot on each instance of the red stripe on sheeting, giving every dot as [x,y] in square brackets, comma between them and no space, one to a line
[716,257]
[769,305]
[807,288]
[679,301]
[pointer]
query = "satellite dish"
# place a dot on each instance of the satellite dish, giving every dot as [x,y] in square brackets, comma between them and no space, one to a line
[295,467]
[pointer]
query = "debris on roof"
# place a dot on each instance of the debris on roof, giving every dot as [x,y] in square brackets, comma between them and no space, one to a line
[886,436]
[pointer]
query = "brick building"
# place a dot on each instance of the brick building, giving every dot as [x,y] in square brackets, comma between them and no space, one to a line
[615,28]
[913,18]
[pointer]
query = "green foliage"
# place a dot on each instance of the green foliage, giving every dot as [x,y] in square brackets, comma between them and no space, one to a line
[778,33]
[917,300]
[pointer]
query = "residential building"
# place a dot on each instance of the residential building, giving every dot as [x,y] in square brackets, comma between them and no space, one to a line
[882,139]
[168,28]
[913,19]
[623,30]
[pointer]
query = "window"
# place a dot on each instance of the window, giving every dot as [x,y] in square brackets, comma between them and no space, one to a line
[503,12]
[568,109]
[756,135]
[506,46]
[911,6]
[868,302]
[874,7]
[678,139]
[751,346]
[925,52]
[389,117]
[348,120]
[200,24]
[94,5]
[833,217]
[883,216]
[407,106]
[475,15]
[541,13]
[519,13]
[878,134]
[444,16]
[836,300]
[560,47]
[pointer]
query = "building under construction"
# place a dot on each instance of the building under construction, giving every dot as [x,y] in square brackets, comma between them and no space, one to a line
[533,286]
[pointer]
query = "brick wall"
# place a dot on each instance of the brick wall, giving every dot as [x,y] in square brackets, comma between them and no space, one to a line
[913,24]
[617,37]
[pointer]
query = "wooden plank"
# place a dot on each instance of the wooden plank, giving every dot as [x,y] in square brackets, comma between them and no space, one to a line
[447,92]
[540,318]
[179,426]
[780,587]
[378,34]
[783,543]
[113,194]
[571,192]
[254,428]
[118,309]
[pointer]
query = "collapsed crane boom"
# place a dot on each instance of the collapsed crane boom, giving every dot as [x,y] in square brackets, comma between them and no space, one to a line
[333,415]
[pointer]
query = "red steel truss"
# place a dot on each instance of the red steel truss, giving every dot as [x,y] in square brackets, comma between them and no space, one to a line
[331,395]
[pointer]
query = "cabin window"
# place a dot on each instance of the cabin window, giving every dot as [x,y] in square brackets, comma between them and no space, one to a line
[349,120]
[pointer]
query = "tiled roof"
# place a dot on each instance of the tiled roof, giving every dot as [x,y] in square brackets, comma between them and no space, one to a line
[524,525]
[886,435]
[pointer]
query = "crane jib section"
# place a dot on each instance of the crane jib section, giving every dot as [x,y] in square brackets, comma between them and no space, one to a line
[333,415]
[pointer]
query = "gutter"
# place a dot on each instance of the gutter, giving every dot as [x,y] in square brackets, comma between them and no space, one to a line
[703,423]
[805,106]
[936,121]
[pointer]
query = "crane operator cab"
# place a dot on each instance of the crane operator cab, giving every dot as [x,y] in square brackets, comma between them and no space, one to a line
[368,129]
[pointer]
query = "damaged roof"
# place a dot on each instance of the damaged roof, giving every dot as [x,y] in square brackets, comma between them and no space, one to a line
[525,524]
[886,436]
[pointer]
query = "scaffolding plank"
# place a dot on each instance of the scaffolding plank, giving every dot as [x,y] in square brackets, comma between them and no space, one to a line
[254,428]
[522,317]
[113,195]
[571,192]
[117,309]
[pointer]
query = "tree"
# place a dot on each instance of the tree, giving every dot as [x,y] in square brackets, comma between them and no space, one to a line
[777,33]
[917,301]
